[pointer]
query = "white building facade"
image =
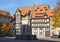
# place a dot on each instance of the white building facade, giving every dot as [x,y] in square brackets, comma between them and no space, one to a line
[41,27]
[18,23]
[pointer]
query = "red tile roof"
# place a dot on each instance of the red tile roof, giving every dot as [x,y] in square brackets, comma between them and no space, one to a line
[5,13]
[25,10]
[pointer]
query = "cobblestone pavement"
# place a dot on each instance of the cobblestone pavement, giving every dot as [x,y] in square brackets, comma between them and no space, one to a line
[12,39]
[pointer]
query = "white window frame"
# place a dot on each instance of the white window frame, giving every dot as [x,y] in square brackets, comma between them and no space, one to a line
[47,29]
[47,19]
[47,24]
[35,33]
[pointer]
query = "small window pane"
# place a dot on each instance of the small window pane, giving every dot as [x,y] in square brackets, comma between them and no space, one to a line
[37,7]
[47,19]
[40,33]
[41,28]
[46,9]
[47,28]
[41,9]
[35,33]
[48,24]
[35,28]
[35,10]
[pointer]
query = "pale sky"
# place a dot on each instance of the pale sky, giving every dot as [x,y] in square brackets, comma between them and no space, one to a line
[12,5]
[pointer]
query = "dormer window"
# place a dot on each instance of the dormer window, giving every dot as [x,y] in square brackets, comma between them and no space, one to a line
[35,10]
[41,9]
[45,7]
[37,7]
[51,12]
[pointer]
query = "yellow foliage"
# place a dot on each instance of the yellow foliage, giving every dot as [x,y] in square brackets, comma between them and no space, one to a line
[56,17]
[6,28]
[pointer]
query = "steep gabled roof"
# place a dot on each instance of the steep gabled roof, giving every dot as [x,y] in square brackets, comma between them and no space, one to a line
[5,13]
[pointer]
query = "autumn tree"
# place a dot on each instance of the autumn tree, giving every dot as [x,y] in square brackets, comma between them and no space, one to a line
[6,28]
[10,27]
[56,16]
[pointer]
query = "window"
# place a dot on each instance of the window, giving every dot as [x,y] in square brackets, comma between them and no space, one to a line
[50,17]
[17,15]
[32,24]
[9,19]
[40,33]
[47,24]
[41,9]
[17,25]
[2,17]
[37,7]
[18,12]
[35,10]
[37,16]
[18,32]
[46,9]
[38,20]
[51,12]
[37,24]
[47,28]
[35,20]
[42,24]
[41,28]
[35,28]
[47,19]
[32,20]
[52,28]
[42,20]
[35,33]
[17,20]
[38,13]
